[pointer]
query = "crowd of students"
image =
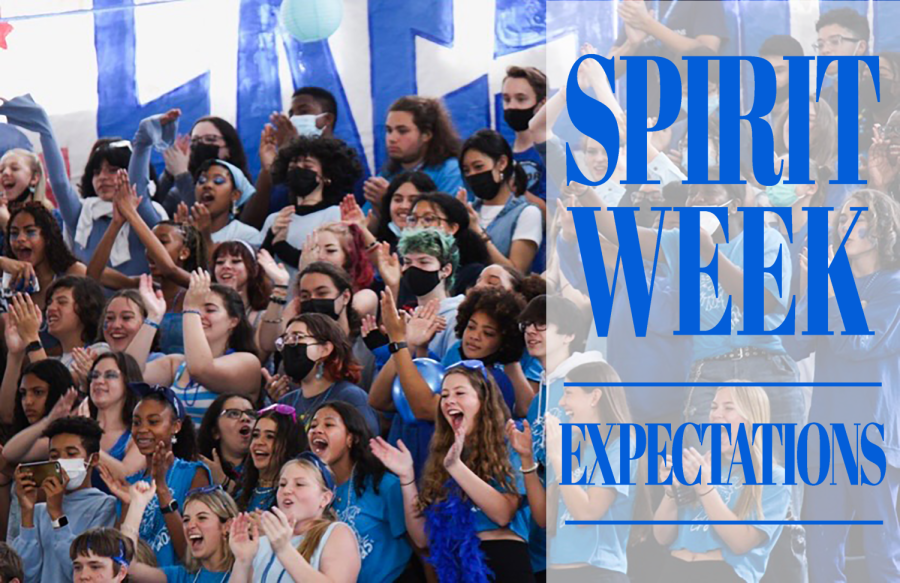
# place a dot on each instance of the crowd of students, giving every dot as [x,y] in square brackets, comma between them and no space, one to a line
[309,376]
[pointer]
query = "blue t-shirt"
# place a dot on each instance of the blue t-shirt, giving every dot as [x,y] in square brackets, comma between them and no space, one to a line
[446,175]
[751,565]
[519,523]
[533,165]
[379,524]
[598,545]
[416,437]
[262,498]
[179,574]
[340,391]
[713,302]
[153,525]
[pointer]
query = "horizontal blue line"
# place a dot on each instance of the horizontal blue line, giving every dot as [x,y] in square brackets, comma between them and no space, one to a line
[725,522]
[724,384]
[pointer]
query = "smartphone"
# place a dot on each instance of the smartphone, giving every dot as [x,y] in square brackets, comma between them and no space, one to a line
[43,470]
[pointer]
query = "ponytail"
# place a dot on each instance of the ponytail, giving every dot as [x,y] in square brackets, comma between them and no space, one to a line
[520,179]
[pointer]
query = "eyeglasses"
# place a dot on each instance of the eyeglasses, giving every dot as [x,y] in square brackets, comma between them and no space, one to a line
[321,466]
[210,140]
[280,409]
[110,375]
[209,489]
[424,221]
[469,365]
[293,340]
[833,42]
[237,414]
[538,327]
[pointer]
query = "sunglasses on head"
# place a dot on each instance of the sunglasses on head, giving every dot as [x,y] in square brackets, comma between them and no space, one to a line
[205,490]
[280,409]
[469,365]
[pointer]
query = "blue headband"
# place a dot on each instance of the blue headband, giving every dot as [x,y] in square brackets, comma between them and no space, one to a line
[241,182]
[321,466]
[143,390]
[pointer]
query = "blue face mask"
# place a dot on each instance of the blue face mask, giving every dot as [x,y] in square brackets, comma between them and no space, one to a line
[781,194]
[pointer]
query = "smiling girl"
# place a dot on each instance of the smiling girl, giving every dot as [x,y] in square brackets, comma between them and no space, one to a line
[207,516]
[275,439]
[234,265]
[468,513]
[367,497]
[224,439]
[220,354]
[300,537]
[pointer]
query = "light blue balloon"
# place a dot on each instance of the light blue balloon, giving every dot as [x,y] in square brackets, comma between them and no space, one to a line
[433,373]
[311,20]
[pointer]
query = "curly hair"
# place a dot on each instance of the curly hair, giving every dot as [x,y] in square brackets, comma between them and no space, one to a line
[341,167]
[87,429]
[57,253]
[431,117]
[341,280]
[340,364]
[501,306]
[290,440]
[357,263]
[193,240]
[432,242]
[486,451]
[258,287]
[89,302]
[130,371]
[884,225]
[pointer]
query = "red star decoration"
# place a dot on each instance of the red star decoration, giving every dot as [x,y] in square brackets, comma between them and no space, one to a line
[5,29]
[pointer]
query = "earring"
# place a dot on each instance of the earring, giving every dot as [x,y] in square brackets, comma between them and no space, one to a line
[321,372]
[174,440]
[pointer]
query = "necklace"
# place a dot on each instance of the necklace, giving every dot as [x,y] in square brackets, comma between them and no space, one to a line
[224,578]
[314,404]
[350,490]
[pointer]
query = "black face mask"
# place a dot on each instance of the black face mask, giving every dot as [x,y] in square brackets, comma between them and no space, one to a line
[324,307]
[419,281]
[302,181]
[518,119]
[200,154]
[483,186]
[297,364]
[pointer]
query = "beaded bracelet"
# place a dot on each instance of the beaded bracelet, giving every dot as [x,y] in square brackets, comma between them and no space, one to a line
[277,300]
[530,470]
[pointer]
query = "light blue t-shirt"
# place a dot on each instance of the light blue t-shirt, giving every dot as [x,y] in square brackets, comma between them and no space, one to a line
[519,523]
[750,566]
[379,524]
[179,574]
[601,546]
[446,175]
[712,306]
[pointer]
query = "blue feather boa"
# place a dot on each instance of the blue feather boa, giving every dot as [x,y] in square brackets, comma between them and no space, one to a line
[454,546]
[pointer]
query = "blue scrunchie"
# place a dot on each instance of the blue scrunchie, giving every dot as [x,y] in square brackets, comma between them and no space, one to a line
[454,546]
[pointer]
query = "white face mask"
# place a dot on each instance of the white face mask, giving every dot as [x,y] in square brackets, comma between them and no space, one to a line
[306,125]
[76,470]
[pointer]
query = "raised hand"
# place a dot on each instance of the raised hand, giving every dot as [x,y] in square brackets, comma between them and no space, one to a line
[268,147]
[520,440]
[424,324]
[118,486]
[21,273]
[463,197]
[278,528]
[153,299]
[63,407]
[274,271]
[14,342]
[374,189]
[201,219]
[125,197]
[284,128]
[243,538]
[178,158]
[881,171]
[215,467]
[182,214]
[394,322]
[82,361]
[26,317]
[198,291]
[169,116]
[351,213]
[160,462]
[455,451]
[388,265]
[282,223]
[311,251]
[277,386]
[398,460]
[141,493]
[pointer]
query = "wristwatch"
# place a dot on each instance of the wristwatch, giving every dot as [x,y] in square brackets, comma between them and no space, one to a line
[394,347]
[33,346]
[60,522]
[170,507]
